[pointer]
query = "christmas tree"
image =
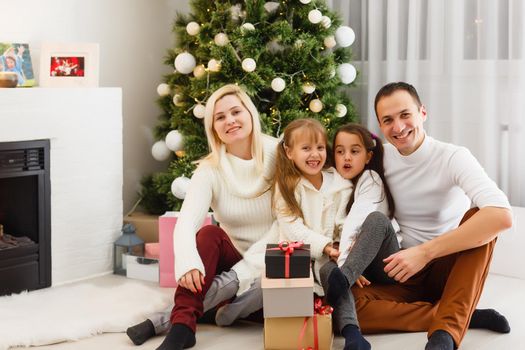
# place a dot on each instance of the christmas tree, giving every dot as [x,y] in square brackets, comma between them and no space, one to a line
[291,56]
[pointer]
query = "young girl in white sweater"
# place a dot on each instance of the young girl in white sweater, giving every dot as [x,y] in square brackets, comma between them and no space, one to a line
[309,203]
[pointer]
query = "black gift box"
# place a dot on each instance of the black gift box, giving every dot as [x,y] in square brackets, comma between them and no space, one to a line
[299,262]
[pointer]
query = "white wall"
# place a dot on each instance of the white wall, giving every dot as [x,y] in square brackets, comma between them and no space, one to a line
[133,36]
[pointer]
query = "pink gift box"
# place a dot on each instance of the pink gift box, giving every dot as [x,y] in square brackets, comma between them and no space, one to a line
[166,264]
[152,250]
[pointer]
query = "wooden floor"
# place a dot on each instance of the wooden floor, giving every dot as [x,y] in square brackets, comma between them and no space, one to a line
[502,293]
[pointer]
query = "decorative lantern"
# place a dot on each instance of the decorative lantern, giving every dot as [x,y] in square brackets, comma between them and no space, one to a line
[129,243]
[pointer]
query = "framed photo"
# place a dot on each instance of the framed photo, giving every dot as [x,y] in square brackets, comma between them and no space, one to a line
[15,62]
[69,65]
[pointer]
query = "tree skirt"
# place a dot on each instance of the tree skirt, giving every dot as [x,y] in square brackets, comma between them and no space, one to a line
[80,310]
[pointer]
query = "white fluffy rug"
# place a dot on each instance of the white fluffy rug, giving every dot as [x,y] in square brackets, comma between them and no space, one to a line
[79,310]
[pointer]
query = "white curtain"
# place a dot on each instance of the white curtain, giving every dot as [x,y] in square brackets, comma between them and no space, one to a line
[466,58]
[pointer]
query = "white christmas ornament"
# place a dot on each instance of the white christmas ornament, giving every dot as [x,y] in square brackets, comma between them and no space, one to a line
[326,22]
[177,100]
[315,16]
[332,74]
[316,105]
[179,187]
[221,39]
[163,89]
[247,26]
[199,110]
[329,42]
[308,88]
[346,73]
[214,65]
[271,6]
[278,84]
[160,151]
[174,140]
[340,110]
[305,1]
[193,28]
[199,71]
[344,36]
[184,63]
[248,64]
[236,12]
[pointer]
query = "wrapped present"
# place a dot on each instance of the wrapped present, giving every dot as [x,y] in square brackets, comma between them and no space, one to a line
[287,297]
[152,250]
[142,268]
[167,267]
[147,225]
[287,260]
[312,333]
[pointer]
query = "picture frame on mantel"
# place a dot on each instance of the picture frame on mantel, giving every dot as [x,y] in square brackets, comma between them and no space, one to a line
[69,65]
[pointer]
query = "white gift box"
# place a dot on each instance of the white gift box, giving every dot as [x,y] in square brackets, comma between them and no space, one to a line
[142,268]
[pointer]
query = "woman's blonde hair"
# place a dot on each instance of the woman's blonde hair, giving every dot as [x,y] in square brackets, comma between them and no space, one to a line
[214,142]
[287,175]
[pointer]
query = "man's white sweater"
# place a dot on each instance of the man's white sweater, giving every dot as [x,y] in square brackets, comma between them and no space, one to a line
[239,196]
[434,187]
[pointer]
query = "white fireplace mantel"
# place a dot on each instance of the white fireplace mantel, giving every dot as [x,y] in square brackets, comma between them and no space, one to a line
[84,126]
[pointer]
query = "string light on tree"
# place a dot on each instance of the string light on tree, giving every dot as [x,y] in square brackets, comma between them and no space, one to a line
[193,28]
[344,36]
[199,110]
[278,84]
[185,62]
[160,151]
[174,140]
[248,64]
[308,88]
[340,110]
[179,187]
[163,89]
[347,73]
[214,65]
[316,105]
[199,71]
[315,16]
[221,39]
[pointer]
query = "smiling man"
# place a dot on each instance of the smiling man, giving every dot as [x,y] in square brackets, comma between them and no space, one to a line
[442,265]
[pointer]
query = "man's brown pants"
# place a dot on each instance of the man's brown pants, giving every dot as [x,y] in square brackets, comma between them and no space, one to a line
[441,296]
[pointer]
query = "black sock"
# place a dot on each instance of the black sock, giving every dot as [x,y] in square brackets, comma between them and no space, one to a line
[141,332]
[489,319]
[337,285]
[179,337]
[354,340]
[440,340]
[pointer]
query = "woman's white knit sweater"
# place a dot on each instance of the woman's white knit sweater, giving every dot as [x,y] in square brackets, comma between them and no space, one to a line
[323,212]
[239,196]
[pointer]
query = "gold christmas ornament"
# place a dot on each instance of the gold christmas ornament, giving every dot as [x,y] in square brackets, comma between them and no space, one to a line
[199,71]
[180,153]
[316,105]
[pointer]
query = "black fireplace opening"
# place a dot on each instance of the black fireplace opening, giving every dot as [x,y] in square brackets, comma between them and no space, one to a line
[25,216]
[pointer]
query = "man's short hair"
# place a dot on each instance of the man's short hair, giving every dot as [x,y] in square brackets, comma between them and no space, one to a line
[390,88]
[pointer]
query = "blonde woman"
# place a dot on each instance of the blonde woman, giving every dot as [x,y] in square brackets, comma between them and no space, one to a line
[234,180]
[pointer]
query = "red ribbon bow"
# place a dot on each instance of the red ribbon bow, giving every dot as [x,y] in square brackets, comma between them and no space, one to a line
[288,249]
[319,309]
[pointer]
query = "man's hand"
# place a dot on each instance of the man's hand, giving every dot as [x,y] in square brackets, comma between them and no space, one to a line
[192,280]
[405,263]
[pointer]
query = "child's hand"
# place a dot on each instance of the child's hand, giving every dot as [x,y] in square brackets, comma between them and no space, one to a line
[331,252]
[362,281]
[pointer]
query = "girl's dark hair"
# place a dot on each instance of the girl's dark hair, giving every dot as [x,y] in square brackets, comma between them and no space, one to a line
[372,144]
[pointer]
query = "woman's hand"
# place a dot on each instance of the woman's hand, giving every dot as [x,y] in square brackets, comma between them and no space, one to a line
[192,280]
[362,281]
